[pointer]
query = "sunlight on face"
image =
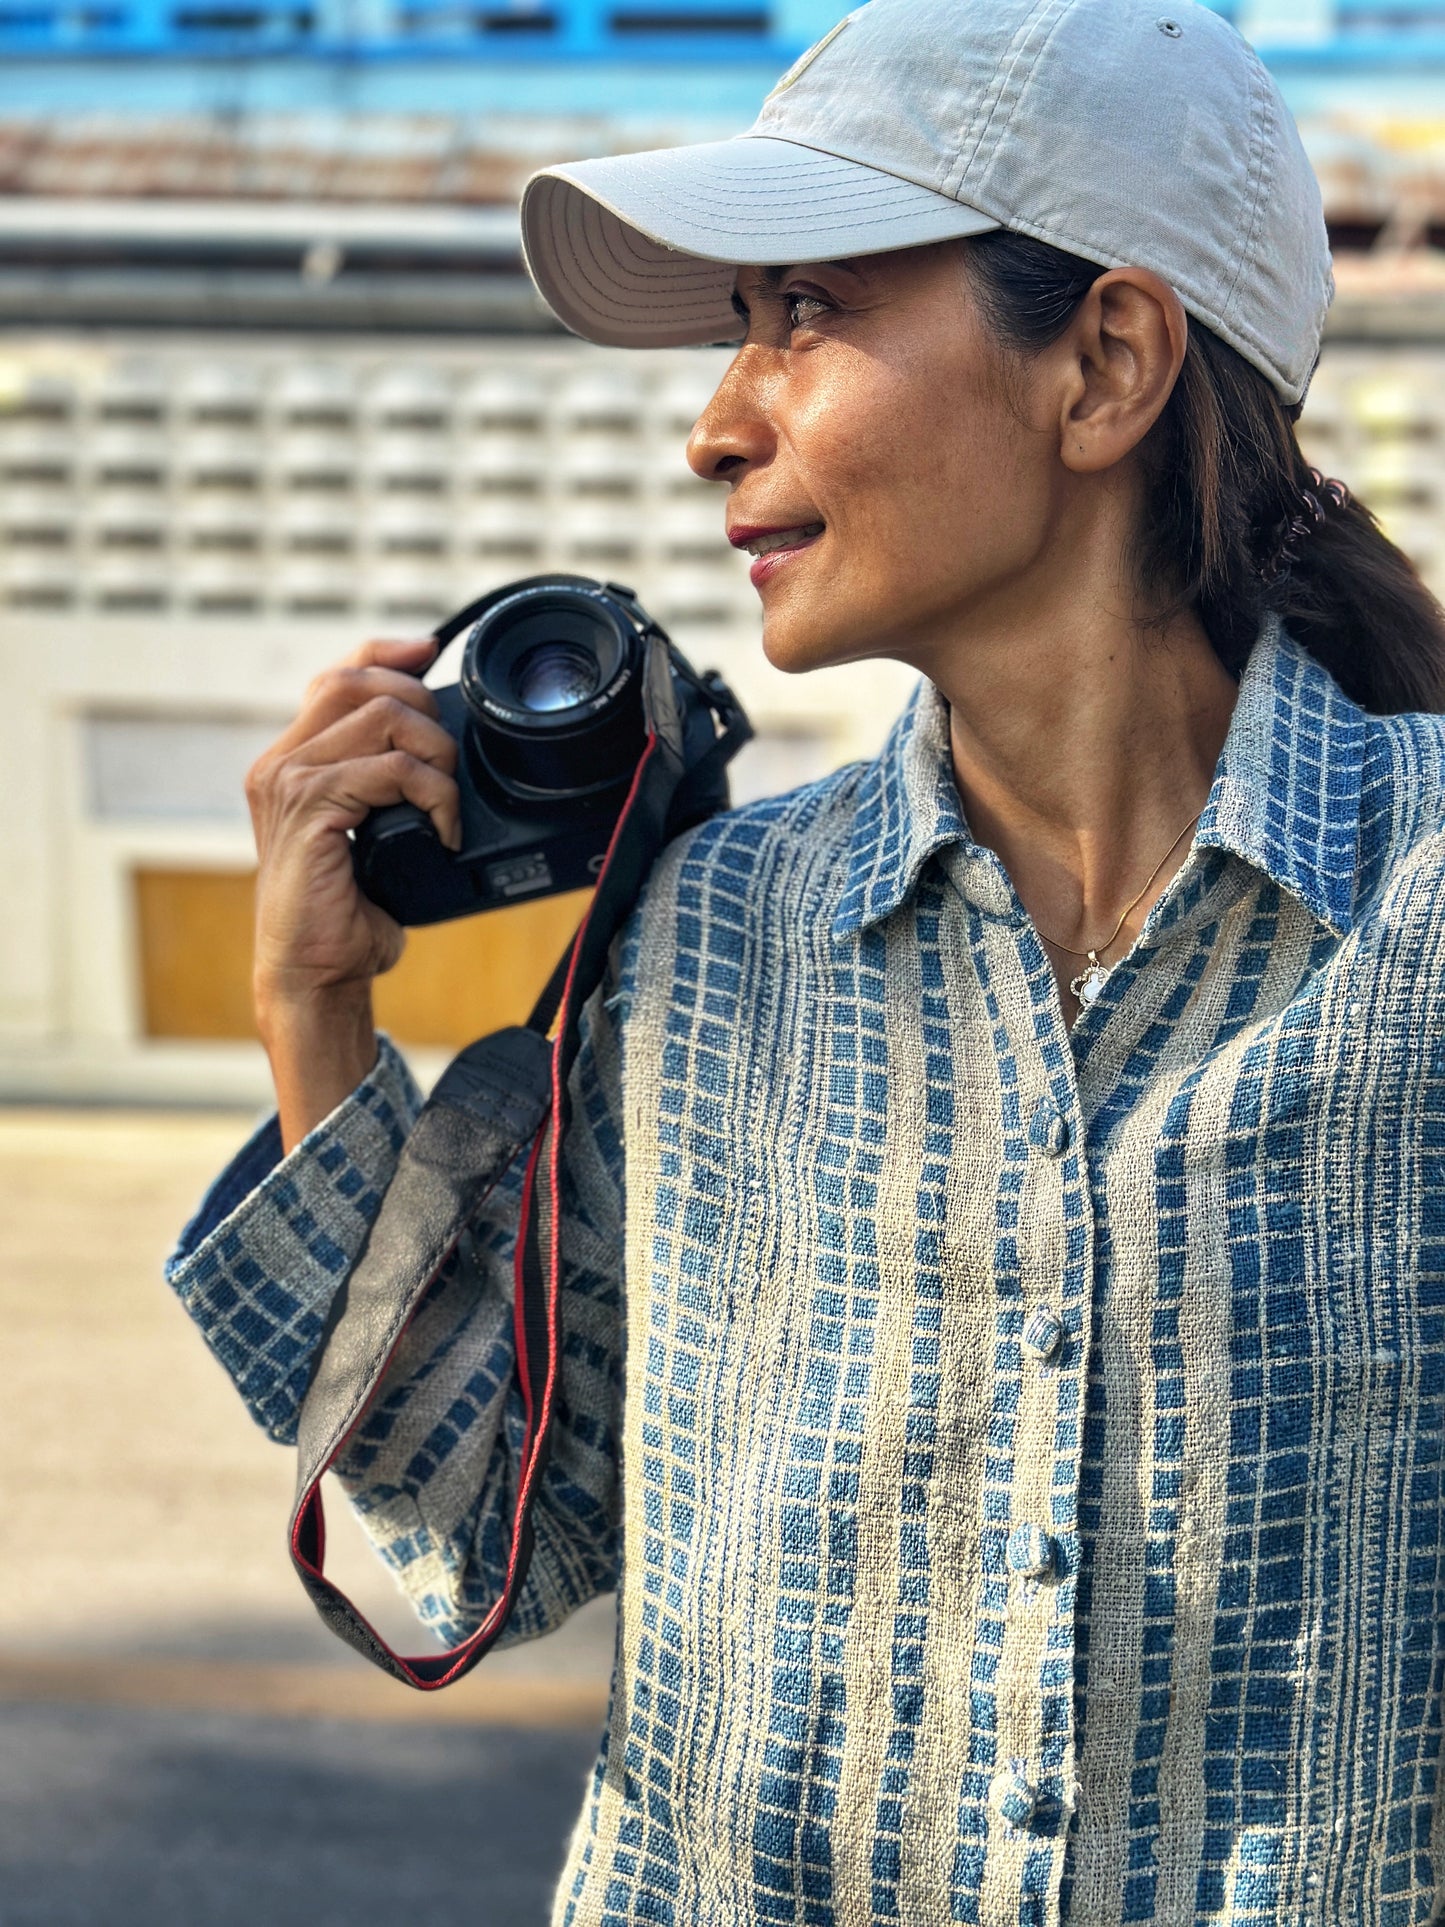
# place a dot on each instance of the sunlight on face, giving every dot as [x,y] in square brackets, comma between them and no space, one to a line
[895,483]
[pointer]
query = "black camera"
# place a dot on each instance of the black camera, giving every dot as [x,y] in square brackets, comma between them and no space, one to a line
[562,679]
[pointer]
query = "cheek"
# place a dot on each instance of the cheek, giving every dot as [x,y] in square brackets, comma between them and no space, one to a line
[933,481]
[934,494]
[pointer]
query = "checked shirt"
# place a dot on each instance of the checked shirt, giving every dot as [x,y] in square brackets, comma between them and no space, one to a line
[1017,1451]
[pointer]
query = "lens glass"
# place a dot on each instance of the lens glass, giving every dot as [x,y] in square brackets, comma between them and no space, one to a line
[555,675]
[551,676]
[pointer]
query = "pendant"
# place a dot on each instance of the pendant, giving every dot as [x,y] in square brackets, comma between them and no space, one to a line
[1088,984]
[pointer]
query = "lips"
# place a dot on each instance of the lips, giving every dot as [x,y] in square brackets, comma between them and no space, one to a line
[773,548]
[765,541]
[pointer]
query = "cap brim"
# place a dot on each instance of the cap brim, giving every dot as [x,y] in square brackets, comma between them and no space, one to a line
[640,250]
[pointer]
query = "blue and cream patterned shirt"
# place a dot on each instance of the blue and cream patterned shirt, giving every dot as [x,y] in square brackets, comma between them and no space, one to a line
[1018,1452]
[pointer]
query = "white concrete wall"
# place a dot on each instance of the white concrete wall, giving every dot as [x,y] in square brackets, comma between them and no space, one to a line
[190,528]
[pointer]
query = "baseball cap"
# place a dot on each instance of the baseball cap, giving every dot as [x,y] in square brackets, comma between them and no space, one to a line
[1140,133]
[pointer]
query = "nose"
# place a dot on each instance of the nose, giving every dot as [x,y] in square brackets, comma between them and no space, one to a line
[733,433]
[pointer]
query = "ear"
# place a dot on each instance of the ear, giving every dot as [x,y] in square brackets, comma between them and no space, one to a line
[1125,346]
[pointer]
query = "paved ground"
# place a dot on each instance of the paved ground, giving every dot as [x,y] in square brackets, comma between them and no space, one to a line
[181,1742]
[125,1818]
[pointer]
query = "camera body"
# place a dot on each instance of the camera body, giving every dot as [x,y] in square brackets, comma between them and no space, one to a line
[560,680]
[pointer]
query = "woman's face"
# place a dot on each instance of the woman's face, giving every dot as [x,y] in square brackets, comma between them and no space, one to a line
[866,422]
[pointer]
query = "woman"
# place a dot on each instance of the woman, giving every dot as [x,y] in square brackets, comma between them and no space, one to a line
[1006,1193]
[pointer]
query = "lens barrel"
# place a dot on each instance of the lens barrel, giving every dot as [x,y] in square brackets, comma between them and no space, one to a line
[551,677]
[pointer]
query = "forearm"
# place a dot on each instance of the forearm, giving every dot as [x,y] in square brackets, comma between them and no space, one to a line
[320,1047]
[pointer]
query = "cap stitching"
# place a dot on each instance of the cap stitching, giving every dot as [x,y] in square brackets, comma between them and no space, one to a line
[1258,155]
[659,273]
[848,163]
[877,195]
[1002,81]
[704,190]
[601,263]
[892,194]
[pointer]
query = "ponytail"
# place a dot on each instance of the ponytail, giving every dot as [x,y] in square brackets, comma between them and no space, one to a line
[1229,486]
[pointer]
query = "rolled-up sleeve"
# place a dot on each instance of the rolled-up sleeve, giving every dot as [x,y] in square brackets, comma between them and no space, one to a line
[432,1469]
[258,1265]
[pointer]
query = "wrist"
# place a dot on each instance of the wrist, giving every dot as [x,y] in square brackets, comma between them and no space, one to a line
[284,1013]
[320,1047]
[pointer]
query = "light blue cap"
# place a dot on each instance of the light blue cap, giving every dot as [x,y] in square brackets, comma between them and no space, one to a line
[1131,132]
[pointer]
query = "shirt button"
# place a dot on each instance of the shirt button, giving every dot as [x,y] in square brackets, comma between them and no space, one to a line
[1011,1795]
[1049,1129]
[1043,1335]
[1030,1551]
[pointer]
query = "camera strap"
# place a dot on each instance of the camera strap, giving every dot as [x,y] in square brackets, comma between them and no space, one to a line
[501,1094]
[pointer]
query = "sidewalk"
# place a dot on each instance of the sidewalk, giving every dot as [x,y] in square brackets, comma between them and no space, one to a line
[159,1662]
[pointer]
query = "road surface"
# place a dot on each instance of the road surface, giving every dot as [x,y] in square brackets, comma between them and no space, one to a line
[182,1744]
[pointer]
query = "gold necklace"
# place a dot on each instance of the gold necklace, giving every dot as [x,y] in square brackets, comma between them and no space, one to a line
[1089,983]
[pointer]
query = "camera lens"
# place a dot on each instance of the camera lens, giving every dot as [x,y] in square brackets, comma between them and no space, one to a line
[552,677]
[555,675]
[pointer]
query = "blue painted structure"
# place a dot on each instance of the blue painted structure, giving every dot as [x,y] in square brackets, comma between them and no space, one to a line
[701,65]
[1292,33]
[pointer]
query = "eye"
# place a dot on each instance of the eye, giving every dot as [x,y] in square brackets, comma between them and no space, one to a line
[802,307]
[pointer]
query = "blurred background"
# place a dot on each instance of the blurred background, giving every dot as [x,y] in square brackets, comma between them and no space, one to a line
[272,380]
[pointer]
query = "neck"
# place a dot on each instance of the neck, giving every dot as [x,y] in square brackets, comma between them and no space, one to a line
[1081,747]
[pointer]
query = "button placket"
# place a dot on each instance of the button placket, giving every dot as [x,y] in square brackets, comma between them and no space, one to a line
[1035,1773]
[1044,1285]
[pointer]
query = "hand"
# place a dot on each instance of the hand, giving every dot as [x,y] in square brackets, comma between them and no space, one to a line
[367,735]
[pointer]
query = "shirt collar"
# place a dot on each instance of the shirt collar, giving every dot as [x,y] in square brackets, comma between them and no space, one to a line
[1285,795]
[907,808]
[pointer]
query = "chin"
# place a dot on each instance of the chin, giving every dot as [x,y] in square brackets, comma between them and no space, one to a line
[795,642]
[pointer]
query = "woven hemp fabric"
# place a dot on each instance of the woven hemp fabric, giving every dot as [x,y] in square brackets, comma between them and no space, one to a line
[1018,1452]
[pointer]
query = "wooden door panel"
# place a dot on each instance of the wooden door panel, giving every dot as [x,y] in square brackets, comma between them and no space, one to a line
[455,980]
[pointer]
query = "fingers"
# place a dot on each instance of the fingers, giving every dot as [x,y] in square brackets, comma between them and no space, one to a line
[361,679]
[336,796]
[385,726]
[384,722]
[370,708]
[412,654]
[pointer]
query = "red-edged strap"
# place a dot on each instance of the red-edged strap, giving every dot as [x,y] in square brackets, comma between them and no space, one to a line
[500,1094]
[490,1102]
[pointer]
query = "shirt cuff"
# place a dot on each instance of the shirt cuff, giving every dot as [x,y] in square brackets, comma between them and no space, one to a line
[259,1263]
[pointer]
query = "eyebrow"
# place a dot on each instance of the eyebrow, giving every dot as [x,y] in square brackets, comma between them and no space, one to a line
[772,280]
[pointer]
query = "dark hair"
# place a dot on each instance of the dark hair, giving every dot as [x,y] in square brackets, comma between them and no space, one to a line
[1227,478]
